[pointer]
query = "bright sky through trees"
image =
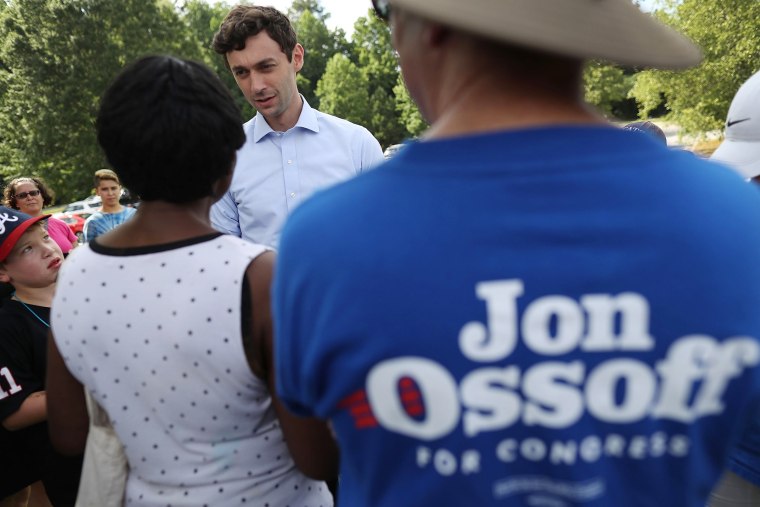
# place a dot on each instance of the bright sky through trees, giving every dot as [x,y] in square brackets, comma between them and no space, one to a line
[343,13]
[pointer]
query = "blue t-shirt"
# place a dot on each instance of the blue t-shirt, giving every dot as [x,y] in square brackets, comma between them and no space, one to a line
[557,317]
[101,222]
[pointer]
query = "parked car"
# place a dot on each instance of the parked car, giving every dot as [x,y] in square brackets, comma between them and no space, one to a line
[89,206]
[75,221]
[127,199]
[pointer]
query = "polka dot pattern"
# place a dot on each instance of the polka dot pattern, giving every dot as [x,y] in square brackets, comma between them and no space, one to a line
[157,341]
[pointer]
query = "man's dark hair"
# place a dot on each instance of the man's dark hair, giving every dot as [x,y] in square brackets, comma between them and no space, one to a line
[169,128]
[243,21]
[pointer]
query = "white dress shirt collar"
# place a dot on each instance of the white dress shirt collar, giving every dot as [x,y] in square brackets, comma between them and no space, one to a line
[307,120]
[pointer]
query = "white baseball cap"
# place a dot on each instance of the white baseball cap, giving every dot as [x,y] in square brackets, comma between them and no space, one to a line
[741,147]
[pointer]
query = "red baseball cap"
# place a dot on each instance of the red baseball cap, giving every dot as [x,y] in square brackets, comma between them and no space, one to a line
[13,224]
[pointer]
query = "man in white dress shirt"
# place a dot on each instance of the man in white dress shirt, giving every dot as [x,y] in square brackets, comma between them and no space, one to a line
[291,150]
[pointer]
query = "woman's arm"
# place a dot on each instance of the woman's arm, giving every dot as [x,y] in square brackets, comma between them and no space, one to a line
[309,440]
[72,238]
[68,421]
[33,410]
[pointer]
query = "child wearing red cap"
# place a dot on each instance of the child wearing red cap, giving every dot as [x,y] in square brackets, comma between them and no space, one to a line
[29,261]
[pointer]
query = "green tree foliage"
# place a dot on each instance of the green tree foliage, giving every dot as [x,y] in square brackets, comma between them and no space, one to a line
[342,91]
[377,60]
[409,113]
[203,20]
[374,52]
[728,32]
[319,42]
[385,122]
[605,86]
[57,58]
[313,7]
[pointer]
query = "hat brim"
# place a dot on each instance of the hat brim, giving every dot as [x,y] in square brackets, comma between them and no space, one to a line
[613,30]
[744,156]
[15,235]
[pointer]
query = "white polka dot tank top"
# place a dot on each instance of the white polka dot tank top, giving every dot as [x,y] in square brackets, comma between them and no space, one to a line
[155,335]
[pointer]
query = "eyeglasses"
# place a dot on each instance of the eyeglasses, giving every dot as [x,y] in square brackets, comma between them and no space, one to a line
[24,195]
[382,9]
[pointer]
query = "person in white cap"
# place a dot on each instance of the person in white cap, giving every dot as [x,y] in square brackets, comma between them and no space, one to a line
[528,307]
[740,149]
[741,146]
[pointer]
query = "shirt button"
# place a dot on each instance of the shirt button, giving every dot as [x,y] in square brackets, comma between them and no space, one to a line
[290,161]
[292,194]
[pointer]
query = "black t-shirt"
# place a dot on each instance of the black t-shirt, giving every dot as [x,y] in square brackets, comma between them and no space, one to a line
[23,361]
[23,355]
[6,290]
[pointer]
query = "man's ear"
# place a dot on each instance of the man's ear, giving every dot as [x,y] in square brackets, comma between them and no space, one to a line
[298,53]
[436,34]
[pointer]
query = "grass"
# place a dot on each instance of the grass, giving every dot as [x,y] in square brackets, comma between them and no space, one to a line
[54,209]
[706,147]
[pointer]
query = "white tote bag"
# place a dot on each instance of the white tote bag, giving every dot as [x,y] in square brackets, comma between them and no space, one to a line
[105,469]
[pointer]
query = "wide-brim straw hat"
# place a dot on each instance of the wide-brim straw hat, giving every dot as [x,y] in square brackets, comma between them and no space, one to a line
[612,30]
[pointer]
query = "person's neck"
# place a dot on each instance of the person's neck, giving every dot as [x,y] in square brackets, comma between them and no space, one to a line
[481,103]
[162,222]
[35,296]
[481,109]
[112,209]
[288,119]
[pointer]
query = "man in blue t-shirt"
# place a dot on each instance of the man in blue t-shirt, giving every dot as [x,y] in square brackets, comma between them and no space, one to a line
[530,306]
